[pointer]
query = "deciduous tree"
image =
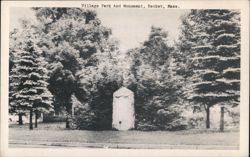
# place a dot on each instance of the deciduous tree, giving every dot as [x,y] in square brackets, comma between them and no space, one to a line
[71,40]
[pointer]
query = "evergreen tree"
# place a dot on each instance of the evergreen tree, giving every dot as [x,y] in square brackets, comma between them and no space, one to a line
[15,46]
[28,77]
[156,93]
[211,41]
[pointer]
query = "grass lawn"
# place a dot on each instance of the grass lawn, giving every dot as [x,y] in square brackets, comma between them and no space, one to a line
[55,135]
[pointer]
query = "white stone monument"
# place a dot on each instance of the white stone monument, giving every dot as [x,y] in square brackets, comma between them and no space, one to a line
[123,109]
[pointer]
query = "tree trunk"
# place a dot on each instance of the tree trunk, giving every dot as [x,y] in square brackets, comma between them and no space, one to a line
[31,124]
[56,112]
[69,115]
[20,119]
[222,119]
[67,122]
[36,117]
[208,117]
[56,107]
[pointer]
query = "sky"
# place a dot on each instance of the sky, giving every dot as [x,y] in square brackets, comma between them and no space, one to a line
[130,26]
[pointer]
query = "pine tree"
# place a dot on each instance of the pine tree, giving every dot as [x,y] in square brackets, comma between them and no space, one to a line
[212,48]
[155,91]
[15,45]
[28,78]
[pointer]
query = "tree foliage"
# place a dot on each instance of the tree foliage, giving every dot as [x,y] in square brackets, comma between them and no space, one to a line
[98,82]
[155,91]
[71,53]
[70,38]
[28,86]
[210,40]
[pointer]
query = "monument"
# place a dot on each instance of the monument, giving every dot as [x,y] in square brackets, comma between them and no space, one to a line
[123,109]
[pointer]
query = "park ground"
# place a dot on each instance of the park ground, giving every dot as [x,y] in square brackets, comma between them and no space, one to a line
[55,135]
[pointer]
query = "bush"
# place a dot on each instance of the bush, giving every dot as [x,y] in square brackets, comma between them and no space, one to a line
[151,127]
[83,118]
[197,121]
[164,119]
[83,122]
[145,127]
[233,117]
[177,125]
[52,118]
